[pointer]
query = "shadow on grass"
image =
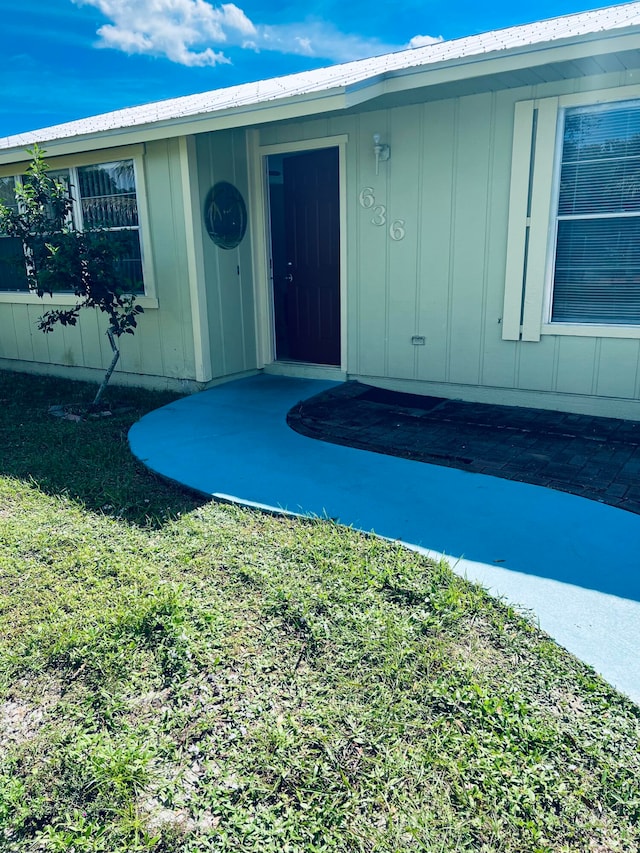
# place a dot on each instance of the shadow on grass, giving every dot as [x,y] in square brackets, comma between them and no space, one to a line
[88,461]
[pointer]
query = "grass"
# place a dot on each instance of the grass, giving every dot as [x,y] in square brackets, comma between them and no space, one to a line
[181,676]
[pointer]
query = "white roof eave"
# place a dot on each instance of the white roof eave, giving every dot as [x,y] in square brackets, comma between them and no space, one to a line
[514,59]
[227,117]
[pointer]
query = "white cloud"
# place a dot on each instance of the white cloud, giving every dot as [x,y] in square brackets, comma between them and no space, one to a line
[319,39]
[181,30]
[304,45]
[423,41]
[193,33]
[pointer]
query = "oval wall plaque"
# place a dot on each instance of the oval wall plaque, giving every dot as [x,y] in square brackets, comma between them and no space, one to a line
[225,215]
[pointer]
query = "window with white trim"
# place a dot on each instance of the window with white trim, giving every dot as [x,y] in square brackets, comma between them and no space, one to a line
[596,272]
[104,197]
[13,275]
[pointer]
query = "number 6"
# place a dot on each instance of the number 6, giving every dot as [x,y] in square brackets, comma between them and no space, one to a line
[397,230]
[366,198]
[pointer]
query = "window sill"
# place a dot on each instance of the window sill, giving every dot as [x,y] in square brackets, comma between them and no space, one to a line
[599,330]
[63,299]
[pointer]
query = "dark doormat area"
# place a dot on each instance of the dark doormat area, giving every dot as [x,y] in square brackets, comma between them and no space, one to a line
[397,399]
[594,457]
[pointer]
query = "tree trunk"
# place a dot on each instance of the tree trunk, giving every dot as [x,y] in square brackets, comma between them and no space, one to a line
[107,376]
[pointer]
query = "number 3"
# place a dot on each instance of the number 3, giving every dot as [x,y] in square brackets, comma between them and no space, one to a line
[380,217]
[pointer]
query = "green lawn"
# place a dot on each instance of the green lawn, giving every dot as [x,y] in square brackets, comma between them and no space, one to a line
[177,675]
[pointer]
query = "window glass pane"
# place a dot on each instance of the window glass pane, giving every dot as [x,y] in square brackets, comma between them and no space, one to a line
[603,133]
[597,264]
[130,261]
[108,195]
[60,176]
[597,277]
[7,194]
[13,276]
[605,187]
[601,162]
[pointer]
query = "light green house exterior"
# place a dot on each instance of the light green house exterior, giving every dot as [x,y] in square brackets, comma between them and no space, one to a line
[445,252]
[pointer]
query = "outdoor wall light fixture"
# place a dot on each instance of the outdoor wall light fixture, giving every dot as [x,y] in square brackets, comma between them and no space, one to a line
[381,151]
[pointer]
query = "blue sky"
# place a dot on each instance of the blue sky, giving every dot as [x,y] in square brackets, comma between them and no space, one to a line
[68,59]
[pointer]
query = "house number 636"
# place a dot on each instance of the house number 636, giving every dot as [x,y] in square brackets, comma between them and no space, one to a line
[367,200]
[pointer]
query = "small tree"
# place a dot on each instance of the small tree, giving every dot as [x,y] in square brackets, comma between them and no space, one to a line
[59,257]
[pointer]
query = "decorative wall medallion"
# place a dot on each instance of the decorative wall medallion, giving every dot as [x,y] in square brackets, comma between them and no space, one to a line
[225,215]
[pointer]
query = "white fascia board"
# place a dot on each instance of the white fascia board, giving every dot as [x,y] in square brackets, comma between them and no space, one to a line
[297,106]
[491,63]
[455,70]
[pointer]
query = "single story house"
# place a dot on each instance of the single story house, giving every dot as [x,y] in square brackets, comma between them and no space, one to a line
[460,219]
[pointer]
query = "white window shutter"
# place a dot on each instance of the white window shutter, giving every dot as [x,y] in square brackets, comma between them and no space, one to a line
[521,163]
[541,220]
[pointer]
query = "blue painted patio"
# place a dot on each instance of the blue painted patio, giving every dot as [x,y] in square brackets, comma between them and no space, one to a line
[573,562]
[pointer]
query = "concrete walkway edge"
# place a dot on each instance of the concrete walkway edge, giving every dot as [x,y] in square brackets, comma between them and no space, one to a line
[573,562]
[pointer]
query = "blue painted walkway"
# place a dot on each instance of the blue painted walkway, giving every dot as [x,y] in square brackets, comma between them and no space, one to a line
[575,563]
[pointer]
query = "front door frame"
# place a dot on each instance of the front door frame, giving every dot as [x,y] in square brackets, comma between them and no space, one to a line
[265,332]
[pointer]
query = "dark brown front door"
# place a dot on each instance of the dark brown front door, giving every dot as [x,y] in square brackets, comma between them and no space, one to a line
[311,258]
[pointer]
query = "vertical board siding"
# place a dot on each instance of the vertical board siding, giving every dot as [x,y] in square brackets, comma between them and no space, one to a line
[206,177]
[168,332]
[24,332]
[163,343]
[498,356]
[245,256]
[617,368]
[403,205]
[537,363]
[92,347]
[353,239]
[8,337]
[449,179]
[471,200]
[434,273]
[576,365]
[228,272]
[39,341]
[373,284]
[71,342]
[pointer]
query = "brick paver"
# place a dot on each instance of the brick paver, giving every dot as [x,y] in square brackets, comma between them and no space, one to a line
[597,458]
